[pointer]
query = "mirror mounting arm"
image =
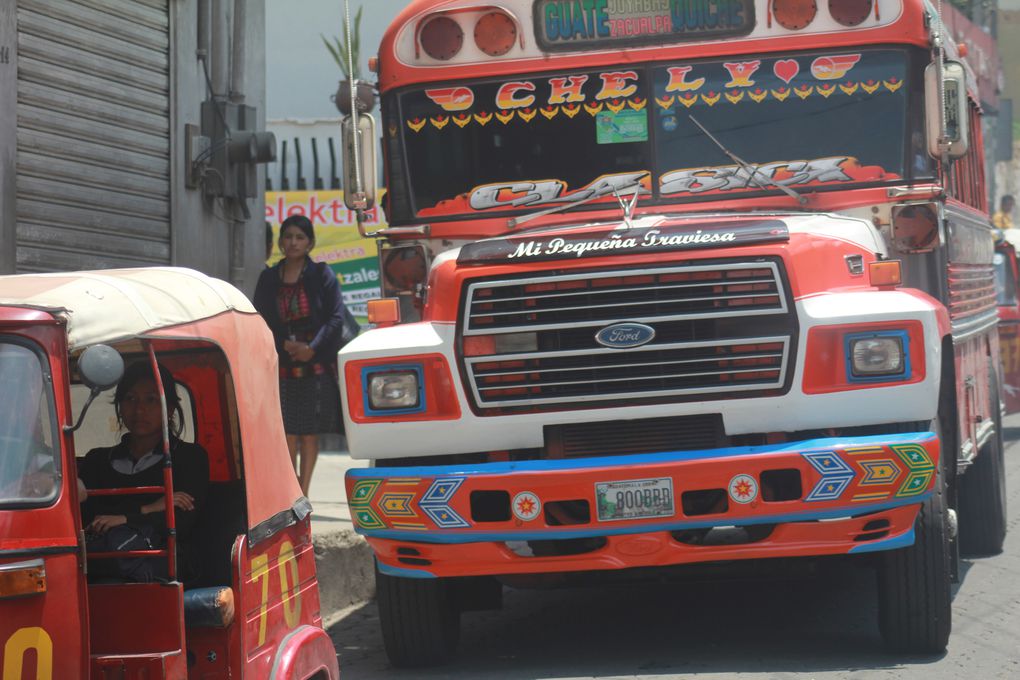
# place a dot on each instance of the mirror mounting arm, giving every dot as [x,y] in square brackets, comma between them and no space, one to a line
[93,393]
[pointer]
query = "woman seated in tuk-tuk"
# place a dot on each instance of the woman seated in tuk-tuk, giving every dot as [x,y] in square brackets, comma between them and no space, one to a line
[138,522]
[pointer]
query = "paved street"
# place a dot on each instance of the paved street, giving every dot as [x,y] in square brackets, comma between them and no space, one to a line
[817,627]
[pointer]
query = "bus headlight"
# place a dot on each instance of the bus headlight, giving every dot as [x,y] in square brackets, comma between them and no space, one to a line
[877,356]
[394,390]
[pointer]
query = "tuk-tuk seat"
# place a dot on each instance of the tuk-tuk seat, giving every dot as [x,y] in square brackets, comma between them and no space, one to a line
[209,607]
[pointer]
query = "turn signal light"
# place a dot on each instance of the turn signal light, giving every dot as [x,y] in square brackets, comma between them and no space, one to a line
[22,578]
[794,14]
[495,33]
[384,311]
[849,12]
[441,38]
[885,273]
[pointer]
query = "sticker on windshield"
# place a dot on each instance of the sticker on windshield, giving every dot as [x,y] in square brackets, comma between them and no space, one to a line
[535,193]
[787,173]
[626,125]
[834,67]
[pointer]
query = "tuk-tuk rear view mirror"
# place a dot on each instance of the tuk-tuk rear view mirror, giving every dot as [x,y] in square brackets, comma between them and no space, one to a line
[946,110]
[100,368]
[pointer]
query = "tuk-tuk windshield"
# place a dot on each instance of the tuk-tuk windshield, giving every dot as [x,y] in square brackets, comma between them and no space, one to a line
[28,461]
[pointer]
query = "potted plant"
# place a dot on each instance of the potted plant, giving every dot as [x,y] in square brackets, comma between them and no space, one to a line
[337,46]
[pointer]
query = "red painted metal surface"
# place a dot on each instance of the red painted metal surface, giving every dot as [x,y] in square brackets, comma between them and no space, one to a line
[278,595]
[50,629]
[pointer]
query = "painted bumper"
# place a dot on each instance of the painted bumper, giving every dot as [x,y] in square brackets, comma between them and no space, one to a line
[856,495]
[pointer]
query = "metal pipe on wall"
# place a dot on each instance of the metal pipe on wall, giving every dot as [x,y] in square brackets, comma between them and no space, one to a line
[204,20]
[237,53]
[220,47]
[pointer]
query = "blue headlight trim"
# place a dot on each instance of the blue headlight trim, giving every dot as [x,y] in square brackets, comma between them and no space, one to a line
[368,371]
[848,342]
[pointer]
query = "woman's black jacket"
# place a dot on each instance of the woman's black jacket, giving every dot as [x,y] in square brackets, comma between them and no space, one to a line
[324,299]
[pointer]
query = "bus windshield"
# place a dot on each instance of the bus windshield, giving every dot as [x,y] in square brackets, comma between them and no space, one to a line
[817,121]
[28,461]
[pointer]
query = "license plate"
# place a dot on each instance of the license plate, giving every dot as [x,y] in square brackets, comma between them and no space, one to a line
[634,499]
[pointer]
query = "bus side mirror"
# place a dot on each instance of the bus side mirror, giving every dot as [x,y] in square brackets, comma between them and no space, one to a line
[947,127]
[358,146]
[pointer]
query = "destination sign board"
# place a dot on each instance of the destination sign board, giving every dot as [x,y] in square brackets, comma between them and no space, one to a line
[587,24]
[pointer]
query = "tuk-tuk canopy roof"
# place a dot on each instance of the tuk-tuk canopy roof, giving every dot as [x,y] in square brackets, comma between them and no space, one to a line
[114,304]
[166,305]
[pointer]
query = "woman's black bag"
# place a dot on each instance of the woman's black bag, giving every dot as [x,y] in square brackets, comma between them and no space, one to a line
[351,327]
[129,568]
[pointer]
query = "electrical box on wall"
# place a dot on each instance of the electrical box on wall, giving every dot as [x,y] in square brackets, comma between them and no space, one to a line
[232,149]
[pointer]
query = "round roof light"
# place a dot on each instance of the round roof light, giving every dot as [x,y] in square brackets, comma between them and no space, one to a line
[441,38]
[849,12]
[794,14]
[495,33]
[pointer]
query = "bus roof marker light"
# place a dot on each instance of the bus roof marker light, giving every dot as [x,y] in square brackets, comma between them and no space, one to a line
[794,15]
[441,37]
[849,13]
[495,33]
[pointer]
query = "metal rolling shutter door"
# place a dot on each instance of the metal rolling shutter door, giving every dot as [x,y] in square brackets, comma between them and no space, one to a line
[93,159]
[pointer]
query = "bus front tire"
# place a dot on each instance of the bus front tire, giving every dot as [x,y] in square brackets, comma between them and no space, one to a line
[914,584]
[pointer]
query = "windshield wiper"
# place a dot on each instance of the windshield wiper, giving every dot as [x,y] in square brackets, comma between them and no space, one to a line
[514,222]
[747,167]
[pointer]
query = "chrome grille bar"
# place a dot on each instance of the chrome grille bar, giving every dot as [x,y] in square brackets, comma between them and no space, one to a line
[531,389]
[594,305]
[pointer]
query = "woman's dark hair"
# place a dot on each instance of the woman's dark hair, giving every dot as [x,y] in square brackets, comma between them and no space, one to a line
[141,371]
[302,223]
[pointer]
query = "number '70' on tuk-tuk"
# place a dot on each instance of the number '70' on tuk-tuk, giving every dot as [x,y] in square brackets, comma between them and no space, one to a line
[255,612]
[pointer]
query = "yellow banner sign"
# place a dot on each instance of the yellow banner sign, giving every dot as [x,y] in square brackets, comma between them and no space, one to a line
[337,242]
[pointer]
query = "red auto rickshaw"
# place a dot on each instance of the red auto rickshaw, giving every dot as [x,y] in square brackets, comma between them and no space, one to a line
[1007,293]
[256,613]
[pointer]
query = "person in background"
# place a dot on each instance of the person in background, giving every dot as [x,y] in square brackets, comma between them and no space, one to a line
[138,461]
[301,303]
[1003,217]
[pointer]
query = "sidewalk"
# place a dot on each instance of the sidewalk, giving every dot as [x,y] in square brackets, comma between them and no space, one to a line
[330,512]
[343,558]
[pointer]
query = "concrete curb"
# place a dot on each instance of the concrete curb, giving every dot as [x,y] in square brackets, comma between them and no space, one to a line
[346,573]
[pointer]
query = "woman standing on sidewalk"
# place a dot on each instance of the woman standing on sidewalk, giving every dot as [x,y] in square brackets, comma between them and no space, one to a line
[301,302]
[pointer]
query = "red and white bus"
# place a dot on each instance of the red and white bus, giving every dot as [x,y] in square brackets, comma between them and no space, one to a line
[673,282]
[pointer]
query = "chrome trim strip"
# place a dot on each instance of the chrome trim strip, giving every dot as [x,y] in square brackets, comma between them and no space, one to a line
[735,296]
[984,432]
[627,396]
[600,291]
[780,292]
[643,348]
[650,363]
[28,564]
[636,379]
[963,331]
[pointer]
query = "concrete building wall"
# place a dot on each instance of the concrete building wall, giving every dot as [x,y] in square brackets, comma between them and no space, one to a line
[211,235]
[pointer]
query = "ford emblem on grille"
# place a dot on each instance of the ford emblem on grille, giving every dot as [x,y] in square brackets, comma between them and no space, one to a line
[625,335]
